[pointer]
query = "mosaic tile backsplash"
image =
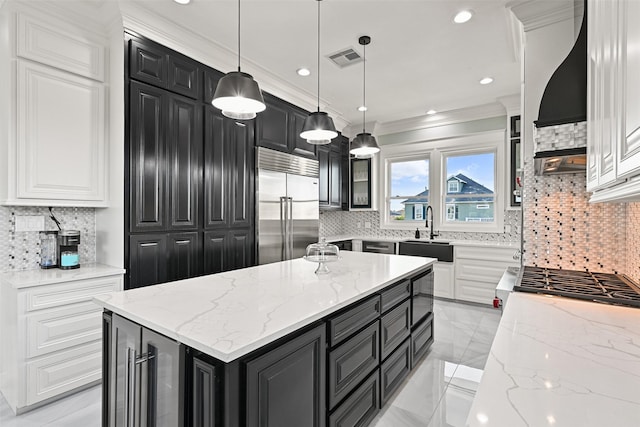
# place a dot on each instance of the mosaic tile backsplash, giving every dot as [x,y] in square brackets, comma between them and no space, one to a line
[561,228]
[560,137]
[353,224]
[633,241]
[21,250]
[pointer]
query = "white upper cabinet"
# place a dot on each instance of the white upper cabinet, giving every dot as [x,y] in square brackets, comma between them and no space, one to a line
[613,113]
[56,147]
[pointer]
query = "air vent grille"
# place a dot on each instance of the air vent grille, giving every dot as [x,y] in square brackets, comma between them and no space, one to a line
[345,57]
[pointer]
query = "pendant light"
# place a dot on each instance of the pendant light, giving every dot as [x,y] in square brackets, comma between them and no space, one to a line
[364,144]
[237,94]
[318,127]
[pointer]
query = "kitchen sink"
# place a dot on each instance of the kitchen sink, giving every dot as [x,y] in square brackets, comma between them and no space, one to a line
[442,251]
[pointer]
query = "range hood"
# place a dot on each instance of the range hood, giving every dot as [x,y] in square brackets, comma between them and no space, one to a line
[565,97]
[564,102]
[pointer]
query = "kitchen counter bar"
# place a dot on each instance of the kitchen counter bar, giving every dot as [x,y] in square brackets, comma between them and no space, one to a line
[561,362]
[230,314]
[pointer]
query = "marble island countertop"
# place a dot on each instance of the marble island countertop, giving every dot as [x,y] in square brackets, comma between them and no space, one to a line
[228,315]
[561,362]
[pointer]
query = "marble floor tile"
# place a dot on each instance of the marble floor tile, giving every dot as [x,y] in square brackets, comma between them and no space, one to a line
[437,393]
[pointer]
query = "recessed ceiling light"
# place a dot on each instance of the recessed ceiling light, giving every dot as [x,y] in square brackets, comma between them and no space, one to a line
[431,112]
[182,1]
[362,108]
[304,72]
[462,16]
[486,81]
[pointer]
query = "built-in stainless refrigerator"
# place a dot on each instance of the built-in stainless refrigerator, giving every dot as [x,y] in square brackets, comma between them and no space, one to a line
[288,212]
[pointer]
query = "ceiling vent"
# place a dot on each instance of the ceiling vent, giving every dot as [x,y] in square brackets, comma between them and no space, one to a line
[345,57]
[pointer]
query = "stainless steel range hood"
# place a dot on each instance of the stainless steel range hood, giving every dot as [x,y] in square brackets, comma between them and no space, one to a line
[572,160]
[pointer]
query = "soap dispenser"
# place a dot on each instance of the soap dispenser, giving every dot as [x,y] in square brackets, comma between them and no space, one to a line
[417,233]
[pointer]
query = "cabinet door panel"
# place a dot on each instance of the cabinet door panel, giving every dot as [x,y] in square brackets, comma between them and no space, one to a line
[125,338]
[273,125]
[147,158]
[353,319]
[184,77]
[148,260]
[300,146]
[286,386]
[629,151]
[184,255]
[215,169]
[361,407]
[394,370]
[335,179]
[421,340]
[324,178]
[214,252]
[394,328]
[242,174]
[211,78]
[204,394]
[241,249]
[148,63]
[184,144]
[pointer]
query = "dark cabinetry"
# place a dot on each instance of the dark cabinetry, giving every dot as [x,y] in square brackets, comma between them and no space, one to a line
[226,250]
[332,173]
[279,128]
[286,386]
[361,183]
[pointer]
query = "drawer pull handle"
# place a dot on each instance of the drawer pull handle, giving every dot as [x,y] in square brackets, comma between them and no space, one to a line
[145,245]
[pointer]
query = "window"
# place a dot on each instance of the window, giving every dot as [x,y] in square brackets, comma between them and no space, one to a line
[409,190]
[474,199]
[462,178]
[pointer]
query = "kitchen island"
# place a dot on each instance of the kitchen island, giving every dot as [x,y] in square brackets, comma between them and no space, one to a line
[250,347]
[561,362]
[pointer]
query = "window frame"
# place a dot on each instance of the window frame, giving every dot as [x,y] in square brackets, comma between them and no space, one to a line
[437,151]
[457,187]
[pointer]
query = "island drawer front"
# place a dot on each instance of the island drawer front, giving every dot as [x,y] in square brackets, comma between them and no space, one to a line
[351,362]
[49,296]
[64,371]
[353,319]
[361,407]
[395,369]
[395,328]
[395,295]
[61,328]
[421,339]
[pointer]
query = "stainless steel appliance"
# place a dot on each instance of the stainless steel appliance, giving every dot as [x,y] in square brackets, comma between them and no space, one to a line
[605,288]
[379,247]
[68,257]
[288,212]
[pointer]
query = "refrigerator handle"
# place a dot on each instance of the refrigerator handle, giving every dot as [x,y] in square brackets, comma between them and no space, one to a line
[290,230]
[283,228]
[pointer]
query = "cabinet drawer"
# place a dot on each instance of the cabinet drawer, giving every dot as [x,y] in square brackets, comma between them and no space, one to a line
[421,340]
[488,253]
[70,292]
[394,328]
[353,319]
[394,370]
[481,270]
[61,372]
[361,407]
[352,362]
[395,295]
[379,247]
[475,291]
[58,329]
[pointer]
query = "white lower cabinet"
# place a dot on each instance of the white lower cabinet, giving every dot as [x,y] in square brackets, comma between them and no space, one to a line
[443,280]
[52,338]
[478,270]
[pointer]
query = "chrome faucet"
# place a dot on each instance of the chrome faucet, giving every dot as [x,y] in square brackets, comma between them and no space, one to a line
[431,233]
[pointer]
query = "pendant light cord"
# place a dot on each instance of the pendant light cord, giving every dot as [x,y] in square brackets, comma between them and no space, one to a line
[238,35]
[364,86]
[319,55]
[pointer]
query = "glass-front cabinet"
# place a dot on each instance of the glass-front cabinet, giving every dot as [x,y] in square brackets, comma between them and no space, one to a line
[360,183]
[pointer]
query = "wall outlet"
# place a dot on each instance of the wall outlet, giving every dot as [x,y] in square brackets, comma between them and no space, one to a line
[367,224]
[29,223]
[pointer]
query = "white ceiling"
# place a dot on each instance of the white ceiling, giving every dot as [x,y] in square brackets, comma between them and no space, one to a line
[418,58]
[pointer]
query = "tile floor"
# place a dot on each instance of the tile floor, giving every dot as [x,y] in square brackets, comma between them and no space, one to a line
[438,393]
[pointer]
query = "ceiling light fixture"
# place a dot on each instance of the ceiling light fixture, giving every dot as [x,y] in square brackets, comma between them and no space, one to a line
[304,72]
[431,112]
[182,1]
[237,94]
[364,144]
[463,16]
[318,127]
[362,108]
[486,81]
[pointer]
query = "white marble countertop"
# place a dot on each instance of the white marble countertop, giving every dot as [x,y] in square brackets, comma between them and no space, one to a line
[492,243]
[228,315]
[40,277]
[561,362]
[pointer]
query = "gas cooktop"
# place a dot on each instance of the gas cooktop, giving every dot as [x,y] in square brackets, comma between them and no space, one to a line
[600,287]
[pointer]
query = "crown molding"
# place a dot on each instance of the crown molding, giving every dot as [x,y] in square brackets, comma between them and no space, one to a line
[149,24]
[512,103]
[441,119]
[536,14]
